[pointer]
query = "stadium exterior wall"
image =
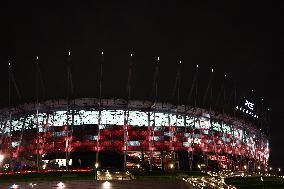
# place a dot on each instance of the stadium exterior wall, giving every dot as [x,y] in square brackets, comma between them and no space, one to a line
[147,132]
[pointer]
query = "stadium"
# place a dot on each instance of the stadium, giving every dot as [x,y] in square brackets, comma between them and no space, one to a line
[129,134]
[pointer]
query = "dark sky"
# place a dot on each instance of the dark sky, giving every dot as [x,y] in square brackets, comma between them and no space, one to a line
[239,39]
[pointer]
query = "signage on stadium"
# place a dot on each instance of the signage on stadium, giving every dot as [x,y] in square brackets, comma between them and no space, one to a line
[248,107]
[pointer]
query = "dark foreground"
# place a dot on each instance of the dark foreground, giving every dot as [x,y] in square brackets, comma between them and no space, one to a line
[85,184]
[256,182]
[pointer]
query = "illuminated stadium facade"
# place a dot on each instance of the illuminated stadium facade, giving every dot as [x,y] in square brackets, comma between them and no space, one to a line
[131,134]
[163,136]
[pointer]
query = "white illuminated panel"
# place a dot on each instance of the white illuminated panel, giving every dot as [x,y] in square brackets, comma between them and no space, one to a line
[186,144]
[15,143]
[158,138]
[17,125]
[176,120]
[90,117]
[204,123]
[59,118]
[41,118]
[216,126]
[196,123]
[62,162]
[78,118]
[113,117]
[170,134]
[227,128]
[238,133]
[6,130]
[162,119]
[197,141]
[137,118]
[173,119]
[133,143]
[189,121]
[180,120]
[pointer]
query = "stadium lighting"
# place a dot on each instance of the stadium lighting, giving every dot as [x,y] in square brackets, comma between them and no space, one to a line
[1,158]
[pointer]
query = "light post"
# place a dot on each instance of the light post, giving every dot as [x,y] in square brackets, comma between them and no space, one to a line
[171,166]
[96,169]
[279,170]
[258,170]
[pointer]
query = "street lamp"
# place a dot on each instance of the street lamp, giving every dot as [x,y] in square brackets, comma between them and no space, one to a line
[199,167]
[96,165]
[96,168]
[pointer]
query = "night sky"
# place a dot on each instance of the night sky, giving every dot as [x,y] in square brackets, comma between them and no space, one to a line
[239,39]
